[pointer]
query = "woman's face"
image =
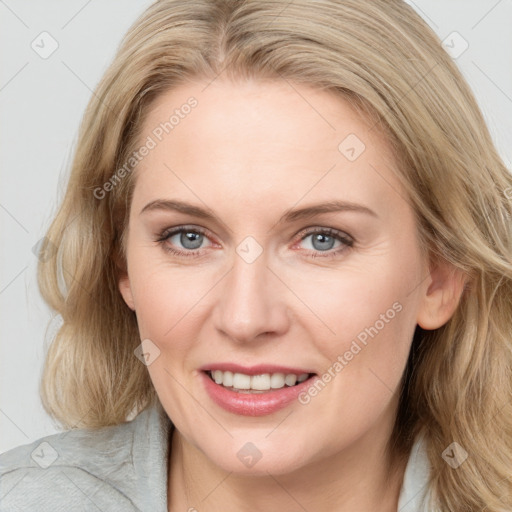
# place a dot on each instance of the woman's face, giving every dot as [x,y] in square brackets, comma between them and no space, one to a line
[267,279]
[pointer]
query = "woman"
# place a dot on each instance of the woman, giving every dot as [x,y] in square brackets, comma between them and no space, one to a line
[285,255]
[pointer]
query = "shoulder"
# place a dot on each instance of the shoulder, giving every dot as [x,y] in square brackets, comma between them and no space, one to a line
[415,494]
[122,467]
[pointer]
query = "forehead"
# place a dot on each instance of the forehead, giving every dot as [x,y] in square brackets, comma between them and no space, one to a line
[270,112]
[263,140]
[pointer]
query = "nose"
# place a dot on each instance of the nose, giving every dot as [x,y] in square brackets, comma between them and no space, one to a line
[252,302]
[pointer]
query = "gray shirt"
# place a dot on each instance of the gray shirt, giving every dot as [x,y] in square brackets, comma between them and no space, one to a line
[122,468]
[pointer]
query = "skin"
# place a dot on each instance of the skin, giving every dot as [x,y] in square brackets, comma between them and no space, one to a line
[250,152]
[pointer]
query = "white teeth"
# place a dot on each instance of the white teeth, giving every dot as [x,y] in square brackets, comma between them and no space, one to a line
[241,381]
[263,382]
[290,379]
[217,376]
[227,379]
[260,382]
[277,380]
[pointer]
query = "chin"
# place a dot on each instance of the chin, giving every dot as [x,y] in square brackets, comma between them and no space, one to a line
[256,458]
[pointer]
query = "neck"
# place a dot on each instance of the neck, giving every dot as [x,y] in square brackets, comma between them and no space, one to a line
[362,477]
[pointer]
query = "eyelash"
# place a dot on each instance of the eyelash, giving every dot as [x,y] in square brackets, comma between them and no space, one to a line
[347,241]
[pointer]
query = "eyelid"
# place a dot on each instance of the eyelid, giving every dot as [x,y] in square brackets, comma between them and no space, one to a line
[168,232]
[346,240]
[311,230]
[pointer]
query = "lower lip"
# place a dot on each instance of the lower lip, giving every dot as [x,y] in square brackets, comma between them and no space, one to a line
[253,404]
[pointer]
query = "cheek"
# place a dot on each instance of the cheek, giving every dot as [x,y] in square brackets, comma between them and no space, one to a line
[373,322]
[368,321]
[167,298]
[357,305]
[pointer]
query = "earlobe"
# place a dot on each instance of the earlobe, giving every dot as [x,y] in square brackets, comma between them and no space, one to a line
[126,291]
[442,296]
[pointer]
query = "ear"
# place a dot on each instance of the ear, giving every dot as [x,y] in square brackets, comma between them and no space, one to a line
[126,291]
[442,296]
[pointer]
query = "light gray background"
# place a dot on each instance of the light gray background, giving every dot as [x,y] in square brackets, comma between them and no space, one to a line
[42,102]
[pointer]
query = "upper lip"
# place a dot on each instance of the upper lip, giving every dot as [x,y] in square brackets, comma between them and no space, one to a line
[258,369]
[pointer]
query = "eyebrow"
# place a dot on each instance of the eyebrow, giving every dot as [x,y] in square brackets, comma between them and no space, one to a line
[289,216]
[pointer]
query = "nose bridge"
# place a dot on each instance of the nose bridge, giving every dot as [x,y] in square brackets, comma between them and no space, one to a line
[251,302]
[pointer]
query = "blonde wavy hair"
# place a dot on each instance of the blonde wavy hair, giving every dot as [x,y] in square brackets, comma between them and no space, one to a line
[385,60]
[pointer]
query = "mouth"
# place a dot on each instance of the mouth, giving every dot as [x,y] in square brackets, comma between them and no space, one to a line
[256,391]
[257,384]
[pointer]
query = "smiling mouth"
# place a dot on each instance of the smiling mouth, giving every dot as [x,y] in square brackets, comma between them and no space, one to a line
[263,383]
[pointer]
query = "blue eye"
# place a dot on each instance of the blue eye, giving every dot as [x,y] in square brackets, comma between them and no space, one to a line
[321,241]
[325,242]
[190,239]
